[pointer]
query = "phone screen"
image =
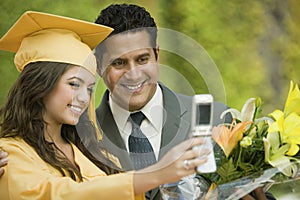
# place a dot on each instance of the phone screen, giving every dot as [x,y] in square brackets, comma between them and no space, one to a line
[203,114]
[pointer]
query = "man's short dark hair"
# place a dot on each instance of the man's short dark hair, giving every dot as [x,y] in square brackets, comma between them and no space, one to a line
[126,17]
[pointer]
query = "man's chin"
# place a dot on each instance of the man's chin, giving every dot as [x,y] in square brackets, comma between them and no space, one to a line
[137,103]
[131,100]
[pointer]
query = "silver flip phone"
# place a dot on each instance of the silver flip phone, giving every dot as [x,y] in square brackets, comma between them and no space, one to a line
[201,126]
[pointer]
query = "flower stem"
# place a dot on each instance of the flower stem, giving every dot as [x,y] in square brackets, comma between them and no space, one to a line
[240,151]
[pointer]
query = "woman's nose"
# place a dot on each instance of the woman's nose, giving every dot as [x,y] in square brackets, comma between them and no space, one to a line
[84,96]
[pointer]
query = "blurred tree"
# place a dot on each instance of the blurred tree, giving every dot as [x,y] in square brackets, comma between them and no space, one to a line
[255,45]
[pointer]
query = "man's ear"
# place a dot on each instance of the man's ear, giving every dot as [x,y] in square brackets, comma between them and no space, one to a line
[157,52]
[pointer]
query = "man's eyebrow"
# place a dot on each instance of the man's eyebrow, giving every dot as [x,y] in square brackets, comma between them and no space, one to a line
[144,54]
[115,59]
[120,58]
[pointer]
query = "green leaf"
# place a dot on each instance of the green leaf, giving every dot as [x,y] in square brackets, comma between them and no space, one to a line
[227,171]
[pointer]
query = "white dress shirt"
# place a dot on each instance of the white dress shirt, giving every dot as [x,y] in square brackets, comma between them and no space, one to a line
[151,126]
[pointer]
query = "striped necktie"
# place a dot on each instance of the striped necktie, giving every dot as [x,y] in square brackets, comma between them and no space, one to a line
[141,151]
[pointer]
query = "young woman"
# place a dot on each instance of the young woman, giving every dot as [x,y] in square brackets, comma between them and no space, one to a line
[50,157]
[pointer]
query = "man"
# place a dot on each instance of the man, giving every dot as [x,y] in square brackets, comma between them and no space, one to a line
[128,64]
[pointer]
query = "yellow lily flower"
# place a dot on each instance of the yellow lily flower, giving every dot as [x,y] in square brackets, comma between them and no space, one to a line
[228,138]
[293,100]
[289,129]
[275,154]
[276,126]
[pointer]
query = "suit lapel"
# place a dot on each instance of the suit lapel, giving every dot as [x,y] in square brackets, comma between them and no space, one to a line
[112,139]
[176,121]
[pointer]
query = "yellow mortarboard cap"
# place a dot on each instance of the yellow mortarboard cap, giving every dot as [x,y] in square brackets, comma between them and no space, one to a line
[40,36]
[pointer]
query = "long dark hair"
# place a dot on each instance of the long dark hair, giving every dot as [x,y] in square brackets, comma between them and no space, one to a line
[22,116]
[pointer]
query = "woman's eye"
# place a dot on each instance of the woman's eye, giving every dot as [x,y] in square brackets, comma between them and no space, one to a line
[74,84]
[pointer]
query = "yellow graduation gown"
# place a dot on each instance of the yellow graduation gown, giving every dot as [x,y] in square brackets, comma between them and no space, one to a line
[27,176]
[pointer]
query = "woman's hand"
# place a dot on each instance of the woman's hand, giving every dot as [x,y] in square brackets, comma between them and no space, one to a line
[3,161]
[179,162]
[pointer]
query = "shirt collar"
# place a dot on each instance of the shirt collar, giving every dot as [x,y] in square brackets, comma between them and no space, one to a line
[153,110]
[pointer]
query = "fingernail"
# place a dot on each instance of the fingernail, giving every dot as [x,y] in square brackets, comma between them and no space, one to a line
[4,160]
[4,153]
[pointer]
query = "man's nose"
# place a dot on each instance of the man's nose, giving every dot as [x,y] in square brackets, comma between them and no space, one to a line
[133,70]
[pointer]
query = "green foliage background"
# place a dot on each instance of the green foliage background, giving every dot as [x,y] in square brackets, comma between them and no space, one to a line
[255,45]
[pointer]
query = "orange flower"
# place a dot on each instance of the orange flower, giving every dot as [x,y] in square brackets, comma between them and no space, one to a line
[228,138]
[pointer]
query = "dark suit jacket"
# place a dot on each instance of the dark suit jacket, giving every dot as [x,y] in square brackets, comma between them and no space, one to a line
[176,126]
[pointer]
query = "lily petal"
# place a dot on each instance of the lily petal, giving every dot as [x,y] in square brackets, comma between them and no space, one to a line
[293,150]
[279,120]
[276,157]
[220,135]
[248,110]
[234,113]
[292,128]
[276,114]
[293,100]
